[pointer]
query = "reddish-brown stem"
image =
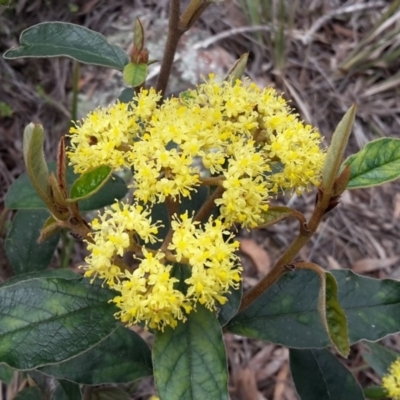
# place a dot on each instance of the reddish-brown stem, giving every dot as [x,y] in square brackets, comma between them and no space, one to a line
[172,208]
[207,207]
[212,181]
[279,268]
[174,34]
[176,28]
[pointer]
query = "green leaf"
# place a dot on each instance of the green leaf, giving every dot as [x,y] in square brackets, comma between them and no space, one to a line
[122,357]
[190,360]
[379,358]
[335,317]
[318,375]
[114,189]
[48,320]
[22,195]
[90,183]
[35,163]
[29,393]
[6,373]
[23,251]
[135,74]
[287,313]
[109,393]
[375,392]
[337,147]
[63,39]
[377,163]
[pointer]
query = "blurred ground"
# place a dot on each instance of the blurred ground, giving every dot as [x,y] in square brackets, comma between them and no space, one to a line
[323,55]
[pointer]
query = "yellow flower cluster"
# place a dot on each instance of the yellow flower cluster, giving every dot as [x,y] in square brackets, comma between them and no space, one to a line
[148,293]
[243,135]
[103,137]
[391,381]
[241,141]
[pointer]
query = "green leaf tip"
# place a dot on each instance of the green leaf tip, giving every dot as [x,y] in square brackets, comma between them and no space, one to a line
[336,149]
[237,70]
[336,317]
[34,160]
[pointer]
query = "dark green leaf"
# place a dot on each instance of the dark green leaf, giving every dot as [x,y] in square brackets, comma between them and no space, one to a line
[57,39]
[50,273]
[6,373]
[287,313]
[110,393]
[122,357]
[335,317]
[372,306]
[193,204]
[379,358]
[22,195]
[48,320]
[90,183]
[135,74]
[126,95]
[30,393]
[67,391]
[190,360]
[23,251]
[319,375]
[378,162]
[159,212]
[230,308]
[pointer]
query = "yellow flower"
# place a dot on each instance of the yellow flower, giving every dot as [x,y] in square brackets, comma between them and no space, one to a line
[103,137]
[113,234]
[210,253]
[391,381]
[148,295]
